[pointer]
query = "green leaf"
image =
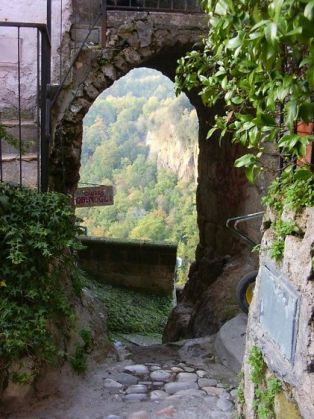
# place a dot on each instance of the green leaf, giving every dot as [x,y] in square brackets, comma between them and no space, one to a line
[249,173]
[222,7]
[291,109]
[271,31]
[306,112]
[309,10]
[211,132]
[245,161]
[303,174]
[237,100]
[289,141]
[233,43]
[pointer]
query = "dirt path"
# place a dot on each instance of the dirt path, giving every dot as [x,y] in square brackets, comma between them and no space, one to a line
[182,381]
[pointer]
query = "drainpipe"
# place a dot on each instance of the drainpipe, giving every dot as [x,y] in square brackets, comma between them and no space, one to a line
[49,17]
[103,23]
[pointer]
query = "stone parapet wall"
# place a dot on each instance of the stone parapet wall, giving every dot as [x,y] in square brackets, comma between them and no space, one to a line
[281,321]
[147,266]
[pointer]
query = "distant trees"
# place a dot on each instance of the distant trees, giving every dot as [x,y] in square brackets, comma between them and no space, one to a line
[127,132]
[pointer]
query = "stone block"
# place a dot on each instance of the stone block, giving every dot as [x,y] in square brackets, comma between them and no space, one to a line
[279,309]
[79,33]
[133,264]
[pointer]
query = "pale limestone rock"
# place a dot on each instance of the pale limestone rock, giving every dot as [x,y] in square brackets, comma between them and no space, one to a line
[187,376]
[137,369]
[207,382]
[135,397]
[137,388]
[176,369]
[213,391]
[160,375]
[109,383]
[155,368]
[190,392]
[201,373]
[225,405]
[158,395]
[141,414]
[172,388]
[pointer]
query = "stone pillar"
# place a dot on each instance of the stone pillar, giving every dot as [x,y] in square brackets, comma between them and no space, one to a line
[280,335]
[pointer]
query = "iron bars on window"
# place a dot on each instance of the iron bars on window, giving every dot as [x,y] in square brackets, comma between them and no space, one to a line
[25,65]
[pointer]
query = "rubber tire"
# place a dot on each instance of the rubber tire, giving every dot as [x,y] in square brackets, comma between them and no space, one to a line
[241,289]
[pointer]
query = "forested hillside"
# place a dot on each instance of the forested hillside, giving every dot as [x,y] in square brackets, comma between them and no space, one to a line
[142,139]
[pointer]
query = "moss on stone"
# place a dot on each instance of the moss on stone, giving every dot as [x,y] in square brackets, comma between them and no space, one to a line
[131,311]
[285,408]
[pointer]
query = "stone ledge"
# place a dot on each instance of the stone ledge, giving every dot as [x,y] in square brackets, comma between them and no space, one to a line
[149,266]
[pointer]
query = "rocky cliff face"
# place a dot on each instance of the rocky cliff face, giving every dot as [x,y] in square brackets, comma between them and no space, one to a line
[172,153]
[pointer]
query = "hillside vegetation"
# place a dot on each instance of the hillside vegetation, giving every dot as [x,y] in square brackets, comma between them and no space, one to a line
[142,139]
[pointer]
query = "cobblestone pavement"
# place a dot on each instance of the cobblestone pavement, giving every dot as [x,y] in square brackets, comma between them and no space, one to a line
[182,381]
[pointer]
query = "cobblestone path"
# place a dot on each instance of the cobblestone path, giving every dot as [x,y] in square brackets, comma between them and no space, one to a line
[184,380]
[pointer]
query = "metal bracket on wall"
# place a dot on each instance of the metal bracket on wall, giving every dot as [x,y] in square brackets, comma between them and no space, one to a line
[232,224]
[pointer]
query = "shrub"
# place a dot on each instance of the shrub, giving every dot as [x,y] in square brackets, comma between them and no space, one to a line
[37,244]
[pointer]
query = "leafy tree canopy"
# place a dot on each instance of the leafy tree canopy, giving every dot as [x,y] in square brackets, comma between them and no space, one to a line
[259,60]
[124,133]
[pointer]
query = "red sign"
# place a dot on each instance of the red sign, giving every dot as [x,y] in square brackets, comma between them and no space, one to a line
[95,196]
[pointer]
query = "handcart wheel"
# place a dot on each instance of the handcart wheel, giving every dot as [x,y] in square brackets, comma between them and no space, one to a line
[245,289]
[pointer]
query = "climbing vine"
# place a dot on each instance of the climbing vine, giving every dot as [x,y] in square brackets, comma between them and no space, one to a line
[13,141]
[259,60]
[265,389]
[37,240]
[294,191]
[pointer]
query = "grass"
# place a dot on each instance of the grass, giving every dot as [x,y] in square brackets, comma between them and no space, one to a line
[131,311]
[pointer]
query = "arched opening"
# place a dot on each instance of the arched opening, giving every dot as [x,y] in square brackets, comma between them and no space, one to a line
[143,140]
[222,191]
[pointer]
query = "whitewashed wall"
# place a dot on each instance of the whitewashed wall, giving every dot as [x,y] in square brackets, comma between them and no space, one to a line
[27,11]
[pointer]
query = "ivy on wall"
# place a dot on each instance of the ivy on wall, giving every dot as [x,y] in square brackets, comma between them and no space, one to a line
[37,240]
[259,59]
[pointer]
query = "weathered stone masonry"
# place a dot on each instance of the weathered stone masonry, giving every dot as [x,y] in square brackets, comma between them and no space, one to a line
[284,331]
[157,40]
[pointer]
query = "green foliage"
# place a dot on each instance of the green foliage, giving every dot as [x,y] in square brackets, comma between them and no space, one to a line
[258,366]
[281,229]
[79,360]
[258,59]
[240,394]
[124,131]
[265,390]
[264,398]
[37,240]
[13,141]
[131,311]
[22,377]
[294,190]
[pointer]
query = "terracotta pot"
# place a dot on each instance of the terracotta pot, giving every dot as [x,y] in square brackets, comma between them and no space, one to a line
[304,129]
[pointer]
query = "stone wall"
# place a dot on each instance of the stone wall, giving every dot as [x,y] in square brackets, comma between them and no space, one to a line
[133,264]
[157,40]
[281,321]
[31,12]
[154,40]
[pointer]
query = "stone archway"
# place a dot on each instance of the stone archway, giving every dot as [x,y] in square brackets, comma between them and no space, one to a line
[152,40]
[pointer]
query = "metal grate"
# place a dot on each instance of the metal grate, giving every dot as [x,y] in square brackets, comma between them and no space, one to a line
[175,6]
[25,115]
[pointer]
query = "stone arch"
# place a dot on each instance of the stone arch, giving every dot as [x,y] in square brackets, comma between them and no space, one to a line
[147,40]
[139,40]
